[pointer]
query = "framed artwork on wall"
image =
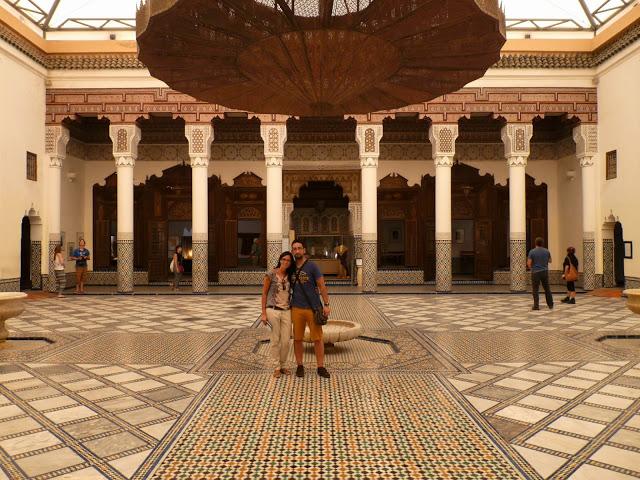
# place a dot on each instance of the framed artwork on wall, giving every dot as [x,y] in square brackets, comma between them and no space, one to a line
[70,248]
[460,235]
[628,250]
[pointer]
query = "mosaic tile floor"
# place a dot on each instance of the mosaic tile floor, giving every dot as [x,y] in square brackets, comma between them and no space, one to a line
[447,386]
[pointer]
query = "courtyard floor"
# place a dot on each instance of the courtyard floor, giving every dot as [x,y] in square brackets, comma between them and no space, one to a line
[459,386]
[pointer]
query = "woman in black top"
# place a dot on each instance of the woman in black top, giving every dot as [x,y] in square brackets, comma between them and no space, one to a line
[570,275]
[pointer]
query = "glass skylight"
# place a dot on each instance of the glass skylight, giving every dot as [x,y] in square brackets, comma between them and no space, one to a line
[120,14]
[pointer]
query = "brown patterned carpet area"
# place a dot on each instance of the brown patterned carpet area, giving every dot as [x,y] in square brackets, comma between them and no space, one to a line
[353,426]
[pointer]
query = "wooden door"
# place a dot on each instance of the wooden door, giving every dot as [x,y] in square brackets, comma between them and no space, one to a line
[158,253]
[483,250]
[230,243]
[101,245]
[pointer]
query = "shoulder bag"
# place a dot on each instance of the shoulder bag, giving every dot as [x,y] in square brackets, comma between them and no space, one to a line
[318,312]
[572,274]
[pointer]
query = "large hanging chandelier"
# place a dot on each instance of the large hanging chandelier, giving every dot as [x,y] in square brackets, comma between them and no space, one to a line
[319,57]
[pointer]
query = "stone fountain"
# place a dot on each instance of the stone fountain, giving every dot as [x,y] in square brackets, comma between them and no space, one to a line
[337,331]
[11,305]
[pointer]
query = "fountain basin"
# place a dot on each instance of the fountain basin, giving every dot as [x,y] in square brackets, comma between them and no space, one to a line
[337,331]
[11,305]
[633,299]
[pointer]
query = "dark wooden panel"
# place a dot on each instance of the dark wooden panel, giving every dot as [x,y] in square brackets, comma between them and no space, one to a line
[483,251]
[158,255]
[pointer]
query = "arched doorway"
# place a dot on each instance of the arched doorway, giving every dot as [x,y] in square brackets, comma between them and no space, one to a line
[25,255]
[320,218]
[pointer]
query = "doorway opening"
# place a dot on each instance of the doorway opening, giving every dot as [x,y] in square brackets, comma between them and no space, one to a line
[320,218]
[25,255]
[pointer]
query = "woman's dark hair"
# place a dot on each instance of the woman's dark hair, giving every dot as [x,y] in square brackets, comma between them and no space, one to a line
[571,251]
[58,249]
[292,263]
[177,247]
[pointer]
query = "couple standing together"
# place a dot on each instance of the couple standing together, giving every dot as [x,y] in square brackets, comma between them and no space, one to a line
[289,295]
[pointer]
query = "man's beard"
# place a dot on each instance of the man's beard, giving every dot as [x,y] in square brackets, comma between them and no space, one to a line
[298,256]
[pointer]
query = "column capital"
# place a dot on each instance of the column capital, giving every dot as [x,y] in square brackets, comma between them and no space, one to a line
[368,162]
[274,136]
[368,137]
[273,161]
[443,143]
[125,139]
[55,161]
[516,138]
[56,139]
[586,138]
[586,162]
[199,136]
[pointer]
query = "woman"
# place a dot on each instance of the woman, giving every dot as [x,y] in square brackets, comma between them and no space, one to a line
[276,304]
[178,268]
[570,274]
[58,267]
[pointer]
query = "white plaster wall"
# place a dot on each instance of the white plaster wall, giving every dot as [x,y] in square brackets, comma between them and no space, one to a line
[72,204]
[22,97]
[619,129]
[569,210]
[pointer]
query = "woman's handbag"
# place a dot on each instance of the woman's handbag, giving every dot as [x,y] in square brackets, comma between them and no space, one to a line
[318,312]
[572,274]
[172,265]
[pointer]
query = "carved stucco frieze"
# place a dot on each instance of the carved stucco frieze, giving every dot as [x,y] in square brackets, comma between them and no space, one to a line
[586,138]
[443,140]
[293,180]
[56,139]
[273,161]
[125,139]
[199,137]
[274,136]
[516,138]
[368,138]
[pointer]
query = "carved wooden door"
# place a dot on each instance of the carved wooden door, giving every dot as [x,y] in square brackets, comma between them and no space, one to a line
[230,243]
[483,250]
[101,245]
[158,253]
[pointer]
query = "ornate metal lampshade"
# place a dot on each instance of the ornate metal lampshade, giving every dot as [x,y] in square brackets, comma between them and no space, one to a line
[319,57]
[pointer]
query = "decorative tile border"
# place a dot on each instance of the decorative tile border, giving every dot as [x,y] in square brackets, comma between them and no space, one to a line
[111,278]
[503,277]
[400,277]
[631,282]
[10,285]
[240,277]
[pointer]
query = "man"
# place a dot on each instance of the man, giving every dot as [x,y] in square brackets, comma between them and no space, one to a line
[80,255]
[538,262]
[308,278]
[256,252]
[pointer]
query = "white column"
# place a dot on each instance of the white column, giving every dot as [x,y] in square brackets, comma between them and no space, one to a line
[125,140]
[516,138]
[443,147]
[274,136]
[368,137]
[200,137]
[586,138]
[56,139]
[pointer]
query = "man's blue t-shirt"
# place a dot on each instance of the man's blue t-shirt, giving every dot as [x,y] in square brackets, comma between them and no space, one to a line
[81,252]
[309,276]
[540,258]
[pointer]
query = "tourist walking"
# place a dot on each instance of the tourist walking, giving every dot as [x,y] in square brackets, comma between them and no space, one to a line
[276,310]
[307,282]
[177,268]
[538,261]
[81,255]
[58,268]
[570,274]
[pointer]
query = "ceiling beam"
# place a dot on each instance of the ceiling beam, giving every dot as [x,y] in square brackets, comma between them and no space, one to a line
[45,25]
[589,15]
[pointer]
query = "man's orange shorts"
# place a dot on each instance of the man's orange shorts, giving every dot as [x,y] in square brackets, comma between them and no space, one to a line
[301,317]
